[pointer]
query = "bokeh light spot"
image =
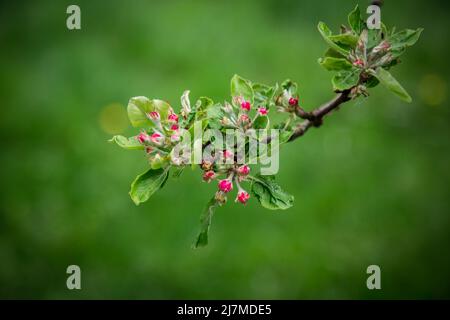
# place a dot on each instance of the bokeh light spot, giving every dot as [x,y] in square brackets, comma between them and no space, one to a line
[433,89]
[113,118]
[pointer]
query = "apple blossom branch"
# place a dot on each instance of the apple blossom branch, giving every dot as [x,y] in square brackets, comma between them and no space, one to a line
[315,117]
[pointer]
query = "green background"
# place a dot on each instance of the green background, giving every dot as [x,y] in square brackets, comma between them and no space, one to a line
[371,186]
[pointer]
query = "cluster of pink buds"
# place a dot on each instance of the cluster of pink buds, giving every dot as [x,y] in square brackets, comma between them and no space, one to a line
[225,186]
[239,117]
[165,132]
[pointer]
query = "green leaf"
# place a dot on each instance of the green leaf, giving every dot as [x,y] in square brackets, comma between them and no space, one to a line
[127,143]
[290,87]
[262,122]
[177,172]
[241,87]
[203,123]
[326,33]
[345,40]
[403,39]
[374,37]
[333,54]
[285,135]
[158,162]
[263,94]
[138,107]
[205,223]
[214,115]
[201,107]
[345,80]
[372,82]
[355,21]
[361,47]
[335,64]
[270,194]
[146,184]
[387,80]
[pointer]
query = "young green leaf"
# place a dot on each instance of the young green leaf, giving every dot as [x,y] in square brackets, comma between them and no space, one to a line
[270,194]
[333,54]
[374,37]
[214,115]
[361,47]
[263,94]
[146,184]
[335,64]
[387,80]
[177,172]
[403,39]
[326,33]
[355,21]
[345,40]
[345,79]
[201,107]
[372,82]
[205,223]
[127,143]
[285,135]
[139,107]
[261,123]
[241,87]
[290,86]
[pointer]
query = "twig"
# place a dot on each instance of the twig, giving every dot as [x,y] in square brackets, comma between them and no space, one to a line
[315,117]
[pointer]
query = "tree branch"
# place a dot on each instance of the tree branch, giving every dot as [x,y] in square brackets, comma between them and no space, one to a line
[315,117]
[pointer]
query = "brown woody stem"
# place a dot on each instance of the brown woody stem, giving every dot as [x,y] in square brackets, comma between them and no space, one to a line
[315,118]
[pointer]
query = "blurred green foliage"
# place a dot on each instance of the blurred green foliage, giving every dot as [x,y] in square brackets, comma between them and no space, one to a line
[371,186]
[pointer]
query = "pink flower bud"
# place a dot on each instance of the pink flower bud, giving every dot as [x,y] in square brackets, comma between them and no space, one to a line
[148,149]
[208,176]
[206,165]
[175,137]
[245,105]
[244,170]
[154,115]
[262,111]
[358,63]
[143,138]
[293,101]
[172,117]
[156,138]
[244,118]
[242,196]
[225,185]
[227,154]
[174,127]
